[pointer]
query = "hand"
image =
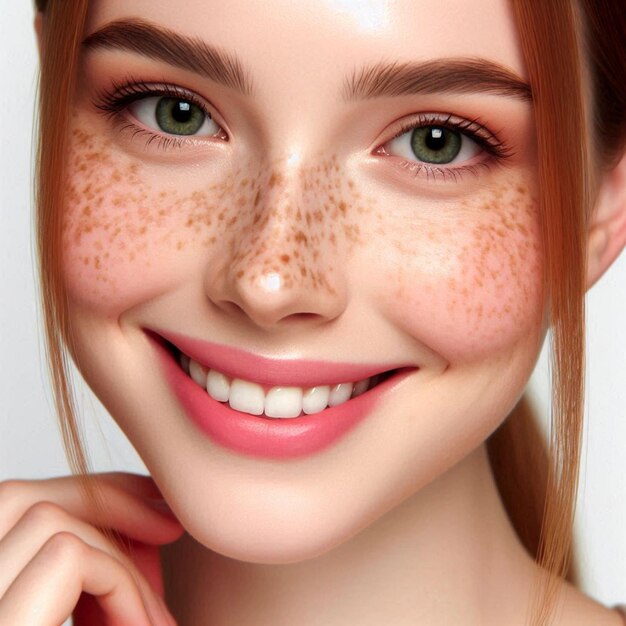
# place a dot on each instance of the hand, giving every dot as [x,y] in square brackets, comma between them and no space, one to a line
[50,553]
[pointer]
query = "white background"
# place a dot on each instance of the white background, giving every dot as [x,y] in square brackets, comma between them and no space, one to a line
[29,441]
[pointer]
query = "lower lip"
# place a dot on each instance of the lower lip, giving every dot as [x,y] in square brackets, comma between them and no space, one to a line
[269,438]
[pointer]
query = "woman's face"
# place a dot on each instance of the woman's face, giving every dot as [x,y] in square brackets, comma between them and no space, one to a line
[342,194]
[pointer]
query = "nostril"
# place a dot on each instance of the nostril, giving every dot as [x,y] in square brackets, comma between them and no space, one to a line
[303,317]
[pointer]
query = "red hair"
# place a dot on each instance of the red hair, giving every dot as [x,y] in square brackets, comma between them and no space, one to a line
[571,50]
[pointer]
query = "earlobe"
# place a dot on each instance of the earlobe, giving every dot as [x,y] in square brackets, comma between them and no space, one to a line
[607,230]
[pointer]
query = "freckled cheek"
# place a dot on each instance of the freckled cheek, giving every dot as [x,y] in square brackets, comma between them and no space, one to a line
[125,246]
[465,293]
[113,274]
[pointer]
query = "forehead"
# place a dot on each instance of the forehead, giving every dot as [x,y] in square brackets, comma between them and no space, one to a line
[318,40]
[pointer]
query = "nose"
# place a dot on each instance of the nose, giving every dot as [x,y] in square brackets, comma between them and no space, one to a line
[279,259]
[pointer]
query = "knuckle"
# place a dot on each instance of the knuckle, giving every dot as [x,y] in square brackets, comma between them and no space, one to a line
[44,513]
[65,547]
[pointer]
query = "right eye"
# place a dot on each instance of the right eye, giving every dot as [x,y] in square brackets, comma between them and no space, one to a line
[174,116]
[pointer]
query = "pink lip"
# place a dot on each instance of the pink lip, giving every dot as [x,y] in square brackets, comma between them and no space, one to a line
[237,363]
[259,436]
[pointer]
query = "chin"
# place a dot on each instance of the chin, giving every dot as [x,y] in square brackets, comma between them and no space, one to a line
[270,543]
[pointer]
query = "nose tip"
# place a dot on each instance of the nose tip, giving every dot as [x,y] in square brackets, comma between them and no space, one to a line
[271,297]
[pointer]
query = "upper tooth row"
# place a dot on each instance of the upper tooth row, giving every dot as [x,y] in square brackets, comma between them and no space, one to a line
[249,397]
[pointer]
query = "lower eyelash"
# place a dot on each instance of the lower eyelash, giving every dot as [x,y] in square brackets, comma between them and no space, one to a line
[162,141]
[472,129]
[452,174]
[112,103]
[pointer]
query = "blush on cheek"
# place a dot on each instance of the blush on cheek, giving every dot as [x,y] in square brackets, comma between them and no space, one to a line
[469,282]
[128,233]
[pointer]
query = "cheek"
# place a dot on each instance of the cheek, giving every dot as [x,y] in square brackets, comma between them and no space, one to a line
[129,231]
[468,281]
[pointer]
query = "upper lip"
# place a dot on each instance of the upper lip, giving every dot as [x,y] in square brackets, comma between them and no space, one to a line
[237,363]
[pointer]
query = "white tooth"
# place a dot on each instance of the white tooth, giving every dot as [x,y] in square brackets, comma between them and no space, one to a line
[315,399]
[360,387]
[184,362]
[247,397]
[283,402]
[340,393]
[218,386]
[198,373]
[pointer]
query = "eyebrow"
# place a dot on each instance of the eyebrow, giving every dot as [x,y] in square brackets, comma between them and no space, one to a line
[188,53]
[453,75]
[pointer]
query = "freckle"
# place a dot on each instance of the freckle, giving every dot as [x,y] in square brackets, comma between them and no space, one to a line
[275,179]
[232,220]
[142,230]
[300,237]
[257,198]
[97,262]
[284,258]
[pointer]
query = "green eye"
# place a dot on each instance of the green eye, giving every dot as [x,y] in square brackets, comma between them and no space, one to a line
[179,117]
[435,144]
[174,116]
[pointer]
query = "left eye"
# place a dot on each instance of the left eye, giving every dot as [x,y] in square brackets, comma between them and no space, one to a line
[174,116]
[437,145]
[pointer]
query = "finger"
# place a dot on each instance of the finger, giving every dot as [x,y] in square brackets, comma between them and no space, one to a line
[133,516]
[48,588]
[45,520]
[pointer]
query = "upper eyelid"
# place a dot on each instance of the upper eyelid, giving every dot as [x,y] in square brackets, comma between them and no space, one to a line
[447,120]
[473,129]
[121,95]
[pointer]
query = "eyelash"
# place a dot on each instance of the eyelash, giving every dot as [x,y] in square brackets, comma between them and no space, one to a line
[113,102]
[473,129]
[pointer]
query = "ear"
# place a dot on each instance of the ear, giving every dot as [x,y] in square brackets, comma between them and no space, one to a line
[607,230]
[39,31]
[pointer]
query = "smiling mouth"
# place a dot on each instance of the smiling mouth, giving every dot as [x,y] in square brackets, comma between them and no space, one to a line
[280,401]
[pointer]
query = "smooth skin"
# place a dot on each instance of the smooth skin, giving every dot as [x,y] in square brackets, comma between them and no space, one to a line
[399,523]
